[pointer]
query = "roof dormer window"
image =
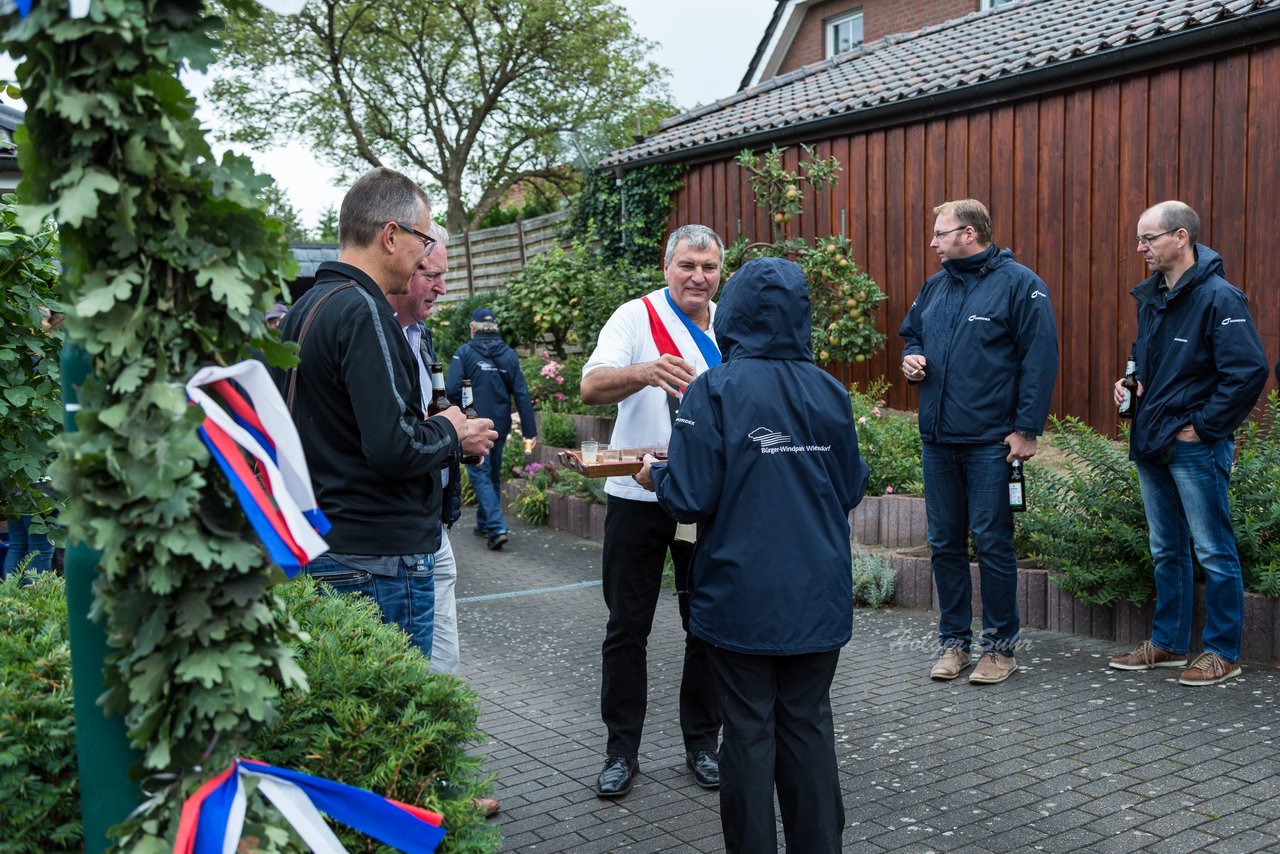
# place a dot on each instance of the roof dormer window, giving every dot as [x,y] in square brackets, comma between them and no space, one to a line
[844,33]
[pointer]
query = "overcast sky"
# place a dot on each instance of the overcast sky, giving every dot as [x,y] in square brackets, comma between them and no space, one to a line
[706,44]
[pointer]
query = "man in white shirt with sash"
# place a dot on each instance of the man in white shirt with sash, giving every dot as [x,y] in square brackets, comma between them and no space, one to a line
[648,352]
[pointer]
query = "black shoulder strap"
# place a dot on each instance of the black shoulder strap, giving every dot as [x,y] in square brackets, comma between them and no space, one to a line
[302,334]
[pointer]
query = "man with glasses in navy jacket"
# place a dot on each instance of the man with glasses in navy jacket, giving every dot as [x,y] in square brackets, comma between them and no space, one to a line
[1200,368]
[980,342]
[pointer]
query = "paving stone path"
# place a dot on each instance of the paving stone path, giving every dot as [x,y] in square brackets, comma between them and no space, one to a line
[1067,756]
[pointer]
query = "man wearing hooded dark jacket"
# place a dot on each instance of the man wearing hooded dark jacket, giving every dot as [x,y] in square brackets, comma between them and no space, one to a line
[1200,368]
[981,343]
[494,371]
[764,457]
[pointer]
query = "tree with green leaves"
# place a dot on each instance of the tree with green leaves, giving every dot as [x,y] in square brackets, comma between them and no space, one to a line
[327,228]
[30,391]
[282,210]
[475,95]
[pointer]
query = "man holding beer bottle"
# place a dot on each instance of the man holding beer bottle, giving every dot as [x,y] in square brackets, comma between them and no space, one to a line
[1199,367]
[981,343]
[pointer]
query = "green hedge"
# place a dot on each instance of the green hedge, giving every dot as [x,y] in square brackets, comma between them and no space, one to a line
[374,717]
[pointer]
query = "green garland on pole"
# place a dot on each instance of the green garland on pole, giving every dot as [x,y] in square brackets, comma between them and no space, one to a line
[169,263]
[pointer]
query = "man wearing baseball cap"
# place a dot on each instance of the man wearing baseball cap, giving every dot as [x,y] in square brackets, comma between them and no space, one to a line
[494,371]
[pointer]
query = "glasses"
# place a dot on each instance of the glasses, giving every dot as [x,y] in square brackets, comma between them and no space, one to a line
[1147,241]
[938,235]
[428,242]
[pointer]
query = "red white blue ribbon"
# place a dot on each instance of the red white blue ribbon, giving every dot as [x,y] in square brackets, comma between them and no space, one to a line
[252,420]
[213,818]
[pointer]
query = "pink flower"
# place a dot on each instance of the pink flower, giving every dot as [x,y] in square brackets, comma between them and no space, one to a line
[549,370]
[560,396]
[888,490]
[862,419]
[559,380]
[875,410]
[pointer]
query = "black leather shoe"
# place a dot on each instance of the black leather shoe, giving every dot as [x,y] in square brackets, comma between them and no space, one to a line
[497,541]
[616,778]
[705,765]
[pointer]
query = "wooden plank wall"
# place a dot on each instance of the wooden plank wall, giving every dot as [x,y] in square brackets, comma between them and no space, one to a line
[482,261]
[1066,176]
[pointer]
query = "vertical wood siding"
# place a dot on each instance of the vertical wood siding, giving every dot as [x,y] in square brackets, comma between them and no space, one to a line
[1066,176]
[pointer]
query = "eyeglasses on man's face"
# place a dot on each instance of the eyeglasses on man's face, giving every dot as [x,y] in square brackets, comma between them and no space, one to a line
[938,235]
[428,242]
[1147,240]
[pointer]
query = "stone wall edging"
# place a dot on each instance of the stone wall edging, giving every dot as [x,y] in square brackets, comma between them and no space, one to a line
[1044,605]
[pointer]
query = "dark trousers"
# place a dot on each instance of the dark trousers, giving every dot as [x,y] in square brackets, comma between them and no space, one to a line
[637,535]
[778,732]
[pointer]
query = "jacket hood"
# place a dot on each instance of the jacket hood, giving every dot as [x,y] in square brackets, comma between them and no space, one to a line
[765,312]
[488,343]
[1208,263]
[991,258]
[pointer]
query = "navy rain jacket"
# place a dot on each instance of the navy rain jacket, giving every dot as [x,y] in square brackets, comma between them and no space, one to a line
[1199,359]
[764,454]
[494,371]
[990,348]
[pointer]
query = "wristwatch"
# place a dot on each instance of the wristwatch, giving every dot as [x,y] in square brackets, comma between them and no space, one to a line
[1030,437]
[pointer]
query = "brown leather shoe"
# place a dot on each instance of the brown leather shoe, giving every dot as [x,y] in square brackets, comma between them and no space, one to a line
[1147,656]
[1209,669]
[488,806]
[951,663]
[993,668]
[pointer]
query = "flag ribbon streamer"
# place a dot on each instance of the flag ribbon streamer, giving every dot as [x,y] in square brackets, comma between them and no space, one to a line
[277,498]
[213,818]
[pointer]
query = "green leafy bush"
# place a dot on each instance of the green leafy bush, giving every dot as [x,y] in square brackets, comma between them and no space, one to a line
[536,480]
[562,298]
[38,784]
[377,717]
[580,486]
[637,239]
[888,441]
[30,391]
[1088,522]
[373,716]
[873,579]
[558,430]
[1255,498]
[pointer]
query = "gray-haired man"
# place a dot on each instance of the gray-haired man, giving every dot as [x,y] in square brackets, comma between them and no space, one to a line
[645,374]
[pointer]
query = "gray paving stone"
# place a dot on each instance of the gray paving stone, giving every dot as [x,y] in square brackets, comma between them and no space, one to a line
[1067,756]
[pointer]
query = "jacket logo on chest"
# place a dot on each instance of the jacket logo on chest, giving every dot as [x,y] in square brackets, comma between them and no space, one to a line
[1035,294]
[974,317]
[1227,320]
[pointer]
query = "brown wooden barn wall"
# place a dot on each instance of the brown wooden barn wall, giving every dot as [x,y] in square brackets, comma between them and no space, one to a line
[1065,176]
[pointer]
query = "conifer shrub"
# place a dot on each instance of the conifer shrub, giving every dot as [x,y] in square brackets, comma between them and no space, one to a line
[374,716]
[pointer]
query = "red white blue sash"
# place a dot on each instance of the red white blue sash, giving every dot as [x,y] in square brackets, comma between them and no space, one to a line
[249,418]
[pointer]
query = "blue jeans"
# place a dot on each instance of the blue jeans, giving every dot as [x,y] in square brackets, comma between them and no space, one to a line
[22,542]
[486,481]
[966,487]
[408,599]
[1186,501]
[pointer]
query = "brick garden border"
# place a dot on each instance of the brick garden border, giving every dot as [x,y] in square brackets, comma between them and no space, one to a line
[898,522]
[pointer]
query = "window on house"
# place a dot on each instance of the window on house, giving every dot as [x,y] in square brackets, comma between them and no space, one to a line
[844,32]
[983,5]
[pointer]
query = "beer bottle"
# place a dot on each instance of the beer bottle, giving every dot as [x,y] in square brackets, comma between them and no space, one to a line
[1129,394]
[439,400]
[469,410]
[1017,491]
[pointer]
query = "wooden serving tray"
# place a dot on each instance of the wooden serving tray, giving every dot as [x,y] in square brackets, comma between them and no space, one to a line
[613,468]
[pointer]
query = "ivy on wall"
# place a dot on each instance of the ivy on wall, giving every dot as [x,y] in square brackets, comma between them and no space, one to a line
[630,217]
[168,264]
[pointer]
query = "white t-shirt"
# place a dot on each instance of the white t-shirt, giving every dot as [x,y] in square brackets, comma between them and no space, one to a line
[643,418]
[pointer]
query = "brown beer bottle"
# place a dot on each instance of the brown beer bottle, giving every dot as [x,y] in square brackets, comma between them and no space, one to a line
[469,410]
[1129,395]
[1017,488]
[439,401]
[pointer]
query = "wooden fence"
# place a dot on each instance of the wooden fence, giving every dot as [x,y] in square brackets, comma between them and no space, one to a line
[482,261]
